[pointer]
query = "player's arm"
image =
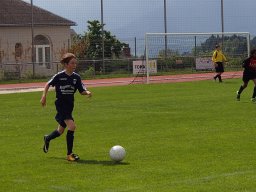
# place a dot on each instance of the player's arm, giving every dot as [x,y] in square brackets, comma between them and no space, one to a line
[52,82]
[224,58]
[86,92]
[43,98]
[214,58]
[82,89]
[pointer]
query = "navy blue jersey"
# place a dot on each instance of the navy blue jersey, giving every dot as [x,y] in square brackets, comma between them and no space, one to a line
[66,86]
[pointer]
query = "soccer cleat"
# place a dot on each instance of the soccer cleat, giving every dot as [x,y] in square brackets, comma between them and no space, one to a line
[46,144]
[253,99]
[214,78]
[73,157]
[237,96]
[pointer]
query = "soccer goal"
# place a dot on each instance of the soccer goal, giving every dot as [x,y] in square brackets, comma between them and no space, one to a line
[167,53]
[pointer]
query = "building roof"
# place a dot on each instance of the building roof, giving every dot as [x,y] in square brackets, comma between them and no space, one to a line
[18,13]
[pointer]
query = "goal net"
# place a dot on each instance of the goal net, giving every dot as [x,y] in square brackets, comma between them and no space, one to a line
[172,53]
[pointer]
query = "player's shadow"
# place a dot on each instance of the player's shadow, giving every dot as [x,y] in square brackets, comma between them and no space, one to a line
[105,163]
[95,162]
[229,82]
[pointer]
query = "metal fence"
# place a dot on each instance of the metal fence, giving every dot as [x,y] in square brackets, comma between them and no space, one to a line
[21,46]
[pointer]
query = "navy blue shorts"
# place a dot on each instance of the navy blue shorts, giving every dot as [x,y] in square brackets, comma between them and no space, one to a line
[60,117]
[64,112]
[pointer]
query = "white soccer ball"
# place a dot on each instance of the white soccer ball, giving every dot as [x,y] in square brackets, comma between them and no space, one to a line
[117,153]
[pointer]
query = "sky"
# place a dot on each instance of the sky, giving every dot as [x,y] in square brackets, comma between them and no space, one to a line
[130,19]
[133,18]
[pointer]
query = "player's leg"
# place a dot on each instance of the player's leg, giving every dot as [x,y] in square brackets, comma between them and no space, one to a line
[221,70]
[220,79]
[47,138]
[216,70]
[55,133]
[70,140]
[254,91]
[242,87]
[216,76]
[217,73]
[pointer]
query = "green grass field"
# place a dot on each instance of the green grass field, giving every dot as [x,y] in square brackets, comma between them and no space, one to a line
[179,137]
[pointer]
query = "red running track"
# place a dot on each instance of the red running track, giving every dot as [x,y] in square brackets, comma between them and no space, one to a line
[5,88]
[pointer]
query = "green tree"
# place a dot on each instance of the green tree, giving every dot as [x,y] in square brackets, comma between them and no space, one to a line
[79,46]
[90,44]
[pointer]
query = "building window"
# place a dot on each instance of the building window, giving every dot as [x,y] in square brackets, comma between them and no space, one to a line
[43,55]
[43,51]
[18,51]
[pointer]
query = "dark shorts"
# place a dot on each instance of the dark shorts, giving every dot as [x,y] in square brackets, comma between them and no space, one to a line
[60,118]
[248,75]
[64,112]
[219,68]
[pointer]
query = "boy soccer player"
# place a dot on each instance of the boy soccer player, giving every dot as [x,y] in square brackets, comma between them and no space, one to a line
[66,83]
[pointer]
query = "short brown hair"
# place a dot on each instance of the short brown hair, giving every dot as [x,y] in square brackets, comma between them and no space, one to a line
[67,57]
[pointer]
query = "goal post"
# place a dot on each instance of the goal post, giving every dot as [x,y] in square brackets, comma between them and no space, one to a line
[192,51]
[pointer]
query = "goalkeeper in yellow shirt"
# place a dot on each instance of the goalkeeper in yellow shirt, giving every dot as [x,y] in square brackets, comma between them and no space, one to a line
[218,59]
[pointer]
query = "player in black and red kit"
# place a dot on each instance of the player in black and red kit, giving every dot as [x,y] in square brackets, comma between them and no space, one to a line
[249,73]
[66,83]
